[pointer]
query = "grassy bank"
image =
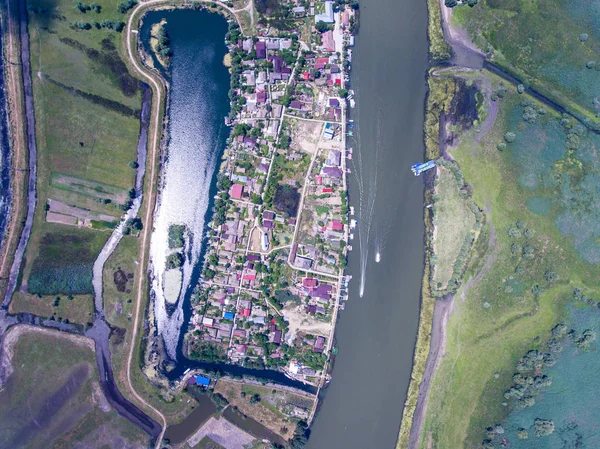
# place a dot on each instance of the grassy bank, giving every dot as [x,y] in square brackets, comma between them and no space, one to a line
[538,252]
[438,48]
[56,376]
[439,98]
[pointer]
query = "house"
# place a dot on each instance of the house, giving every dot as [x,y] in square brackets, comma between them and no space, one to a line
[309,282]
[345,19]
[229,316]
[295,104]
[322,291]
[311,309]
[261,50]
[268,215]
[268,224]
[327,190]
[277,337]
[328,43]
[327,16]
[299,11]
[334,158]
[334,102]
[202,381]
[332,172]
[336,225]
[277,64]
[248,45]
[303,262]
[236,191]
[319,344]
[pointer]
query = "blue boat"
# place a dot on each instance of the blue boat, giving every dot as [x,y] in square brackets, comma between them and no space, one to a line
[417,169]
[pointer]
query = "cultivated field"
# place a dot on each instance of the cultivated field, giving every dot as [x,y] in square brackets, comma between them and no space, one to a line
[87,108]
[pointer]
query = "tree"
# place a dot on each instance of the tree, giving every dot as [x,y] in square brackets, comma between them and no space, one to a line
[321,26]
[451,3]
[342,93]
[175,260]
[550,276]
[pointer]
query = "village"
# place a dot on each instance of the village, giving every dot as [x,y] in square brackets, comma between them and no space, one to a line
[273,278]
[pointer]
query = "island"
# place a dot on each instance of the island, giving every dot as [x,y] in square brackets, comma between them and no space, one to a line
[90,117]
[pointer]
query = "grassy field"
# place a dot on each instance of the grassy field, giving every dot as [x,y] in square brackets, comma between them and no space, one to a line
[274,410]
[562,63]
[87,107]
[119,281]
[519,286]
[453,233]
[53,398]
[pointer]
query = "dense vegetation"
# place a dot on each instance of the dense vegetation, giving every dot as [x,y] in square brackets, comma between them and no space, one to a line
[64,264]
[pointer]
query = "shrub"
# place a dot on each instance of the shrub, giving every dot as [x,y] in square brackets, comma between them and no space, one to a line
[80,25]
[590,64]
[501,146]
[83,7]
[522,434]
[583,37]
[510,137]
[126,5]
[543,427]
[529,233]
[550,276]
[515,233]
[175,260]
[528,252]
[520,88]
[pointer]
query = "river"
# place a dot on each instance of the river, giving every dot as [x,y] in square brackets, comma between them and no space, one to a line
[376,334]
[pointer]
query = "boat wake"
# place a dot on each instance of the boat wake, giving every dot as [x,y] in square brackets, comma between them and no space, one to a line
[366,177]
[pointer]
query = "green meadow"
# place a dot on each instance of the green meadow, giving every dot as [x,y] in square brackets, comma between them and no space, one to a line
[536,175]
[553,46]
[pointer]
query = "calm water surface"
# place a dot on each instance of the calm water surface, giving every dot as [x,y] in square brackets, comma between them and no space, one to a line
[376,334]
[197,107]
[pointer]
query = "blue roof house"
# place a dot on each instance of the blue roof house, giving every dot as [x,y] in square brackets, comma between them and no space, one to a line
[202,381]
[229,316]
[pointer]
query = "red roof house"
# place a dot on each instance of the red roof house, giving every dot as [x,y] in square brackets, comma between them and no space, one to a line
[236,191]
[336,225]
[309,282]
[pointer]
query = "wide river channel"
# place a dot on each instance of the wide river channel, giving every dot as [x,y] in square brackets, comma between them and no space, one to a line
[376,333]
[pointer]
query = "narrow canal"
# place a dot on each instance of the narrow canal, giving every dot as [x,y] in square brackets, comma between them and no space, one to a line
[362,407]
[5,156]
